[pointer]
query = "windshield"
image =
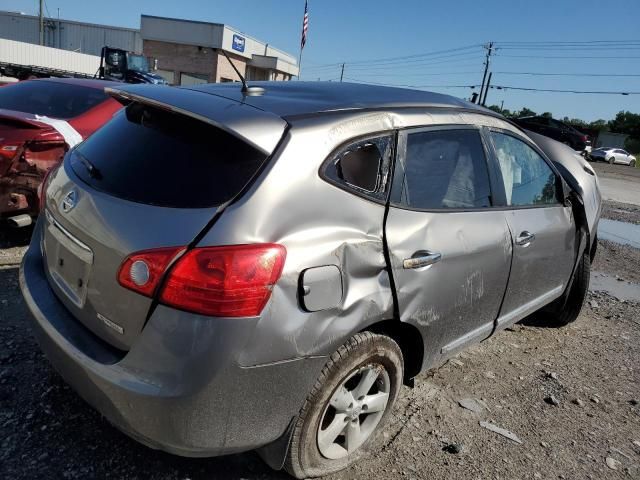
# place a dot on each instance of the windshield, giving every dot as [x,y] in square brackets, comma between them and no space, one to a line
[138,63]
[51,99]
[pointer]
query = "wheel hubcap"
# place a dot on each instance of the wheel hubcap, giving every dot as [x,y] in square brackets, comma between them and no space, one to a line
[354,411]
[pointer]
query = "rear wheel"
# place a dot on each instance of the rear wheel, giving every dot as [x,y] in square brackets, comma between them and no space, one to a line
[347,407]
[577,295]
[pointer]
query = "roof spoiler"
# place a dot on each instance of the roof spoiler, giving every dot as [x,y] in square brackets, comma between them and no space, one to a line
[260,129]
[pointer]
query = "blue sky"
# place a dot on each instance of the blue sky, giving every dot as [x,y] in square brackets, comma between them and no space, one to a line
[355,31]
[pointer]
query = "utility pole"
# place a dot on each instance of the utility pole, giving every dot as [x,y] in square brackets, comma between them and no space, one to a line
[342,73]
[486,68]
[486,90]
[41,23]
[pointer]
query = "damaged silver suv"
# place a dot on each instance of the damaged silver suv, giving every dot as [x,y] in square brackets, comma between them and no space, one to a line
[220,270]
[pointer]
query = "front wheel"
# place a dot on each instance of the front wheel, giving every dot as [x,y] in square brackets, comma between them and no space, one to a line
[612,160]
[632,163]
[561,316]
[347,406]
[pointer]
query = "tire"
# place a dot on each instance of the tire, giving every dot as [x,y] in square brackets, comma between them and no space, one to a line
[577,295]
[632,163]
[612,160]
[363,355]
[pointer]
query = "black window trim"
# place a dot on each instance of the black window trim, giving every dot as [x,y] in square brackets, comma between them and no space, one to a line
[385,185]
[399,185]
[560,183]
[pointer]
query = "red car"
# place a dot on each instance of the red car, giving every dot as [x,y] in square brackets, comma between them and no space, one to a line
[39,121]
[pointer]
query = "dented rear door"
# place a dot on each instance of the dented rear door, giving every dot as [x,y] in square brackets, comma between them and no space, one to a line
[449,250]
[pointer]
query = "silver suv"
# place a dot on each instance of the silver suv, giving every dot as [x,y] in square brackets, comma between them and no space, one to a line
[219,270]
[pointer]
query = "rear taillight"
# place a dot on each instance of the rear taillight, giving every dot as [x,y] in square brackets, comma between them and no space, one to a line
[229,281]
[9,151]
[142,271]
[42,188]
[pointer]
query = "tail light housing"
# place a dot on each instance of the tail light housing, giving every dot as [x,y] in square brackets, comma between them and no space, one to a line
[42,188]
[9,151]
[143,271]
[227,281]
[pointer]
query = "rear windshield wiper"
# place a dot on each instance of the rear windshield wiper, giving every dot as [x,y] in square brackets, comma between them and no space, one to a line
[94,172]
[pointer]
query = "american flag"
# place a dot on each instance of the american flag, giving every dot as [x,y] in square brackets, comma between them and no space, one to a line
[305,26]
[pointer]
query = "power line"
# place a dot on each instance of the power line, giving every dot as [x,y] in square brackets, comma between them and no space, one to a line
[552,90]
[405,57]
[608,57]
[555,74]
[408,86]
[500,87]
[408,63]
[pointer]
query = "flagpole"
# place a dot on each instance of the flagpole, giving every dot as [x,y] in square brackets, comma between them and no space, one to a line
[300,64]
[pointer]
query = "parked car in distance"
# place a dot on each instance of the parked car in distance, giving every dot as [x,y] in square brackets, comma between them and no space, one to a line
[39,121]
[265,268]
[613,155]
[557,130]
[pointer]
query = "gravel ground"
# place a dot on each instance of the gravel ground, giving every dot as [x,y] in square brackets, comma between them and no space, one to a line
[623,212]
[569,395]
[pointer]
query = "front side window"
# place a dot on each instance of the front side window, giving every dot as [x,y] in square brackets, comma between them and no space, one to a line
[446,169]
[362,166]
[528,180]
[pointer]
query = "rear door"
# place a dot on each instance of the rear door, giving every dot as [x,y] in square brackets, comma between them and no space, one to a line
[150,178]
[541,226]
[449,250]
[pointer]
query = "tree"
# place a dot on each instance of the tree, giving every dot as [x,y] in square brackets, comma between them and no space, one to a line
[547,115]
[600,125]
[525,112]
[626,122]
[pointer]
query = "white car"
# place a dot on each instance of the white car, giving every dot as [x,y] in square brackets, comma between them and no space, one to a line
[613,155]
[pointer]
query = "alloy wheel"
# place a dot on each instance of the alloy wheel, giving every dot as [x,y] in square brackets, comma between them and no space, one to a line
[353,412]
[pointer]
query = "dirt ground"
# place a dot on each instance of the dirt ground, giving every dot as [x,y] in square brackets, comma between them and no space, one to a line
[570,396]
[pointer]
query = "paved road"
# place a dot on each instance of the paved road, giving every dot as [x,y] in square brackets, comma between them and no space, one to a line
[619,183]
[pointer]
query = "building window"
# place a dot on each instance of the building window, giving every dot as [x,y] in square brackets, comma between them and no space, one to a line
[193,78]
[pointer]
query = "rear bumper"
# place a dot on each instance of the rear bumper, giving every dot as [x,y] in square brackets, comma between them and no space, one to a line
[180,388]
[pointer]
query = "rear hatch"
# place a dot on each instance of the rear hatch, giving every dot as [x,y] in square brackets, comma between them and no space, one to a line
[153,177]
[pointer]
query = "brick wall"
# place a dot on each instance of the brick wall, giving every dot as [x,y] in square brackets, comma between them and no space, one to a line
[180,58]
[225,70]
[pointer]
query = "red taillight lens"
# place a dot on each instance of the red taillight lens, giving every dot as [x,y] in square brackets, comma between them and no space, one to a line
[42,188]
[9,151]
[230,281]
[142,271]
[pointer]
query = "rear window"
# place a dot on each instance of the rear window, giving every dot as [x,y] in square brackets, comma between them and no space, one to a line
[152,156]
[51,99]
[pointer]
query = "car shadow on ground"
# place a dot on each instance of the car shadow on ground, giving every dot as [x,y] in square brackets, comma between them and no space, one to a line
[48,431]
[540,320]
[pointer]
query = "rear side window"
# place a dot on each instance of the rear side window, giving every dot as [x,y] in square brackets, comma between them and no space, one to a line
[50,99]
[362,166]
[528,180]
[152,156]
[446,169]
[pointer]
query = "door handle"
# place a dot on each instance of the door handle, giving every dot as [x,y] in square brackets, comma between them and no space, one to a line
[525,238]
[421,259]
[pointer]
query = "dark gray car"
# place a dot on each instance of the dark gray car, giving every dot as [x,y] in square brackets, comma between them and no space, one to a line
[218,272]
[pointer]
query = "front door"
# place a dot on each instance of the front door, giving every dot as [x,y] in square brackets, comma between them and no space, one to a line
[542,228]
[449,250]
